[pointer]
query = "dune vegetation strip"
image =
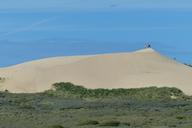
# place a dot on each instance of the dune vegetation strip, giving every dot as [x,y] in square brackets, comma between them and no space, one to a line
[70,90]
[71,106]
[67,89]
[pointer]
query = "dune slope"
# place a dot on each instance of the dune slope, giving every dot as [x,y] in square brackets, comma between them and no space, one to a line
[142,68]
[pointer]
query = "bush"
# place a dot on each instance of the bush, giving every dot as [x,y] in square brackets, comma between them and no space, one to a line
[2,79]
[67,89]
[180,117]
[110,123]
[90,122]
[56,126]
[126,124]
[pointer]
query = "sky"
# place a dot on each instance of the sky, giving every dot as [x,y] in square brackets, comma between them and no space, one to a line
[35,29]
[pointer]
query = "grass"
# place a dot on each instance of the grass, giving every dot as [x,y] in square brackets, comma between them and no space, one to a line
[71,106]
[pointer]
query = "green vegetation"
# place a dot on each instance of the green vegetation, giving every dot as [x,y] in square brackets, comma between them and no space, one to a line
[89,122]
[180,117]
[71,90]
[56,126]
[190,65]
[110,123]
[70,106]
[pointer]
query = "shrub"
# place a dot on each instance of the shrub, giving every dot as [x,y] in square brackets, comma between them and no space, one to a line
[2,79]
[90,122]
[180,117]
[67,89]
[110,123]
[56,126]
[126,124]
[6,91]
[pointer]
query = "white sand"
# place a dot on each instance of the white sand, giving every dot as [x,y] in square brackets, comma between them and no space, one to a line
[142,68]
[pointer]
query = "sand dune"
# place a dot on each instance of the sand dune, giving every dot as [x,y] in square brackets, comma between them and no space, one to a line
[120,70]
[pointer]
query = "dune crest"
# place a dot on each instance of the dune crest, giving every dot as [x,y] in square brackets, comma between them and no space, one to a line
[142,68]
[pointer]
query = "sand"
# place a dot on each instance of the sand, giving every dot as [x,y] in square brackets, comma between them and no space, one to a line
[142,68]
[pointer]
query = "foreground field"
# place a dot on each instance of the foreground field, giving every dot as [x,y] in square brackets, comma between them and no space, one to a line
[69,106]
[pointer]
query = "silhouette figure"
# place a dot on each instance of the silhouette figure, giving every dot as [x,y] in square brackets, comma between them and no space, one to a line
[147,45]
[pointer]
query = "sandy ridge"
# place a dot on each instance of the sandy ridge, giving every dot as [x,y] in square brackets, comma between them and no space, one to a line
[141,68]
